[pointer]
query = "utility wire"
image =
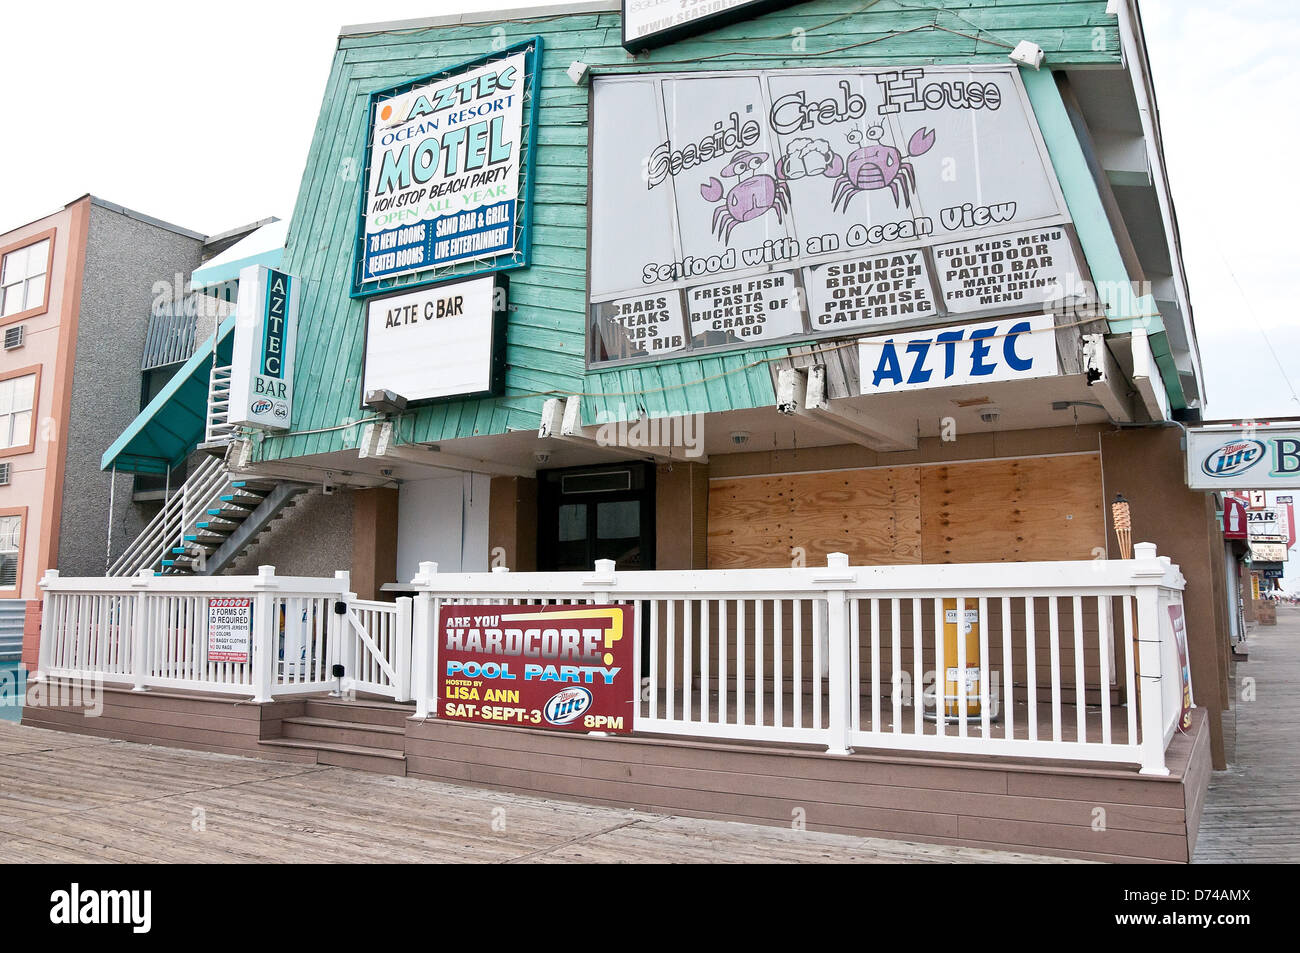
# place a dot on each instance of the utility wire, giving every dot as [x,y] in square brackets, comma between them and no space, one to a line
[1255,317]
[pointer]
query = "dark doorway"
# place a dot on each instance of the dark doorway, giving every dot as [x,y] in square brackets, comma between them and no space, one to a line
[590,513]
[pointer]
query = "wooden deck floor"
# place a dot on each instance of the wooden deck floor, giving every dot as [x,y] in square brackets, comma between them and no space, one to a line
[1252,811]
[68,798]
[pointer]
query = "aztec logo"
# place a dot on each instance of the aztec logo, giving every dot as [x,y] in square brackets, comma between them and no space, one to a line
[262,406]
[1233,458]
[567,706]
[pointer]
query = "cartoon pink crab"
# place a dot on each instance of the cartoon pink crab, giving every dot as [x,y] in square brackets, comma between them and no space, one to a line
[877,166]
[754,194]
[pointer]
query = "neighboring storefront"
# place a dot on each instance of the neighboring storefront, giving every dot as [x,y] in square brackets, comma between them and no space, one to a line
[76,296]
[794,284]
[1258,533]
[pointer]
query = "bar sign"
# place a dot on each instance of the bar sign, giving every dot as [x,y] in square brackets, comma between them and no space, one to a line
[277,309]
[261,371]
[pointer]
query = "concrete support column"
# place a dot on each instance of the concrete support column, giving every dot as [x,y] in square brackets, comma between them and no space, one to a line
[1146,465]
[512,523]
[682,516]
[374,541]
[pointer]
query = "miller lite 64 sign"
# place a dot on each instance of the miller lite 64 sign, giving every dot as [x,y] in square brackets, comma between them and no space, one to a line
[1231,458]
[266,330]
[568,667]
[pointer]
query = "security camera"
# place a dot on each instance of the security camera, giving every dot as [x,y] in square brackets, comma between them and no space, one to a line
[990,415]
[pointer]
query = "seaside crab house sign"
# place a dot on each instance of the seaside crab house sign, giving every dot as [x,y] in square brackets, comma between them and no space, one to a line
[790,204]
[448,171]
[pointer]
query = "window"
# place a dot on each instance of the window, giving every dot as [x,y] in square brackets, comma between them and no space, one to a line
[11,536]
[22,278]
[17,395]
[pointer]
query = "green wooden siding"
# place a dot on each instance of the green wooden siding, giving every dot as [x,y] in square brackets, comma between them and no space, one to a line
[546,332]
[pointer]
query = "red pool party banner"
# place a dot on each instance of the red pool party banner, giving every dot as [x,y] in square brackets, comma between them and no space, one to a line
[567,666]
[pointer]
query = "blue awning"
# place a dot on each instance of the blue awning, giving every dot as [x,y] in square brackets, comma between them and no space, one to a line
[167,431]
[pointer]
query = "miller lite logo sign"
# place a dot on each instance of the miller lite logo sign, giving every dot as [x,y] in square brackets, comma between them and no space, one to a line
[1236,456]
[1254,457]
[567,706]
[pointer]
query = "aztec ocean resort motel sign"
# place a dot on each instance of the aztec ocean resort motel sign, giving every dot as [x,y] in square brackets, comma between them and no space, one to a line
[448,177]
[792,204]
[444,198]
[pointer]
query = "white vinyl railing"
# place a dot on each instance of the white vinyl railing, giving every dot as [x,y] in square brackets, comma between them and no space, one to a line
[153,632]
[1062,660]
[1068,660]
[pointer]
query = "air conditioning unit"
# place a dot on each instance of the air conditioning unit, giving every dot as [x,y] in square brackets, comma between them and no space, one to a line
[15,336]
[4,473]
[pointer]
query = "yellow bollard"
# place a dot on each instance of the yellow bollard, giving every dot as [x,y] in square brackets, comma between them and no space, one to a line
[952,682]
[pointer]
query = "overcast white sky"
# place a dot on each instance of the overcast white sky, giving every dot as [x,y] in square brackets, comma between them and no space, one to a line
[202,114]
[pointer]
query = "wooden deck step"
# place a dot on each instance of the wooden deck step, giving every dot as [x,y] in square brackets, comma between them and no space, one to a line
[333,731]
[360,757]
[364,711]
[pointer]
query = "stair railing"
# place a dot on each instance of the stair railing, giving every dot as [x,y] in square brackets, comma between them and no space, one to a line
[218,428]
[177,517]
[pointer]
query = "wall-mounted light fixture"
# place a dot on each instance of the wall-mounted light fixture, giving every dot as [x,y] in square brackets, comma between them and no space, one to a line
[385,402]
[1027,54]
[578,72]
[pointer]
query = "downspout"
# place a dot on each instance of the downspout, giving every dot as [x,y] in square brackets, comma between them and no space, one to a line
[108,544]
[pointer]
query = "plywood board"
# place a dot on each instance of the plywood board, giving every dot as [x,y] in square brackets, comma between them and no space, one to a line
[1026,509]
[1035,508]
[778,520]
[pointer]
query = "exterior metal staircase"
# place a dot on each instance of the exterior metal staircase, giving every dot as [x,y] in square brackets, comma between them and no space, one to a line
[206,523]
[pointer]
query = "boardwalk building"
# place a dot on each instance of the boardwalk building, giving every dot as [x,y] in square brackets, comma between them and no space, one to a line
[830,328]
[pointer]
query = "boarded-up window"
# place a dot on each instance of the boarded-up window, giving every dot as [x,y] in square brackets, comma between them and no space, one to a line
[1033,508]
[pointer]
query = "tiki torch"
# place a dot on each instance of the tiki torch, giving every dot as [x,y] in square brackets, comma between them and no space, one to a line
[1123,520]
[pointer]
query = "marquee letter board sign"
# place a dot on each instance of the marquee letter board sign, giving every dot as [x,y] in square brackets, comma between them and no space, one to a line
[440,341]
